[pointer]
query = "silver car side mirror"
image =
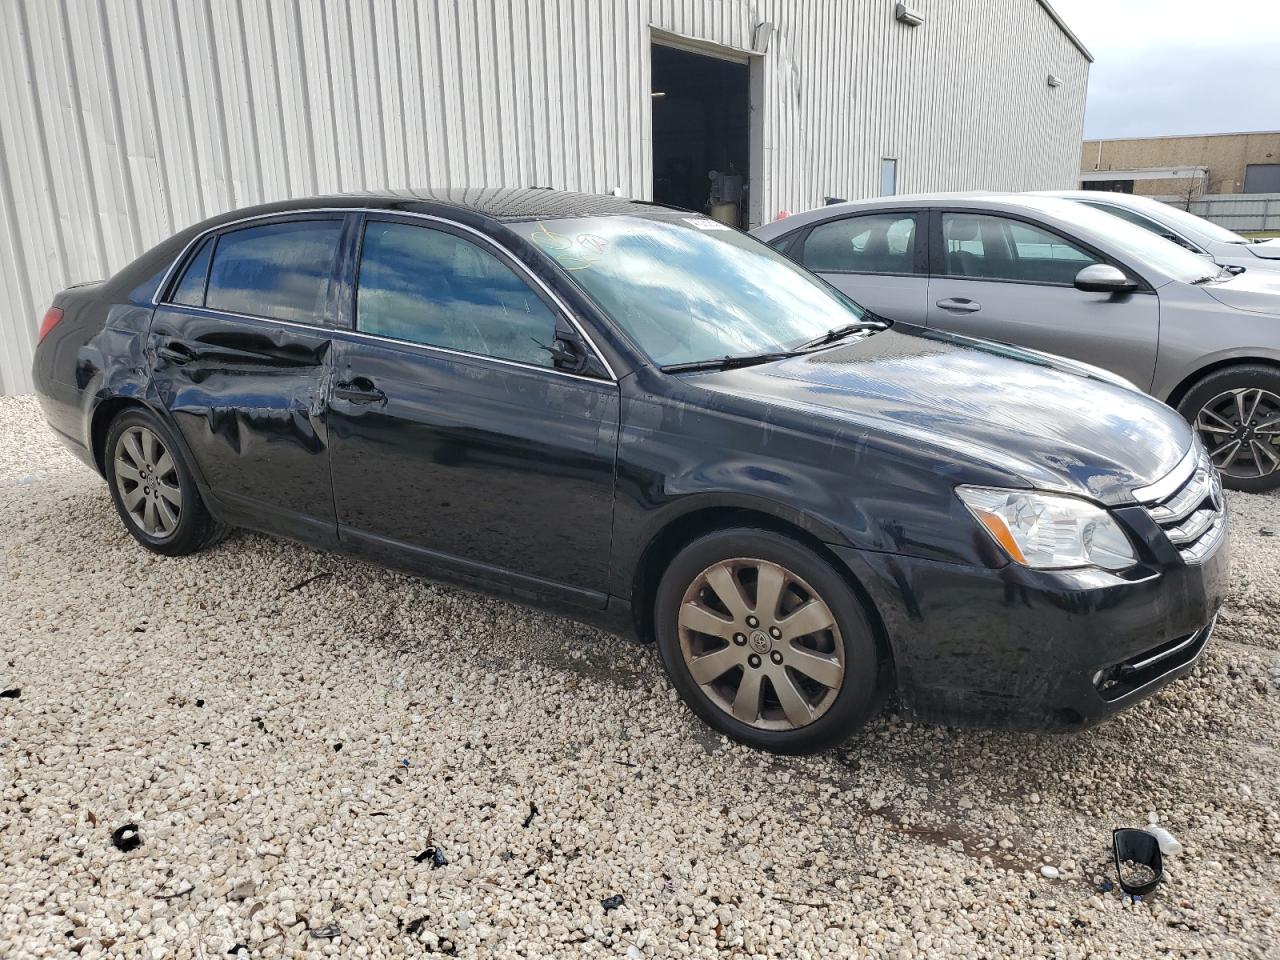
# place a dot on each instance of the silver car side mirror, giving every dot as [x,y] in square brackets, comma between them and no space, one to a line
[1103,278]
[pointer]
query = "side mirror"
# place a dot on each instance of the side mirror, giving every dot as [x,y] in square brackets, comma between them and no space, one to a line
[568,353]
[1103,278]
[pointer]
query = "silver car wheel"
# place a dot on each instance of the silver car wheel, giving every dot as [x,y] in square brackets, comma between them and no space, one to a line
[147,481]
[1241,430]
[761,643]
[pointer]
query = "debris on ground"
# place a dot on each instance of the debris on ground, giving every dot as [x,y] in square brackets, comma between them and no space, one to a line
[435,855]
[533,812]
[612,903]
[1135,874]
[126,838]
[242,890]
[13,693]
[302,583]
[1169,844]
[327,932]
[413,926]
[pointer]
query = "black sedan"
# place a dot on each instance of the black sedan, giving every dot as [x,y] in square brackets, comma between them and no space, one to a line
[649,421]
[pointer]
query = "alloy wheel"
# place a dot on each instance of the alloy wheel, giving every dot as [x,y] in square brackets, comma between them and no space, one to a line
[761,643]
[1241,430]
[147,481]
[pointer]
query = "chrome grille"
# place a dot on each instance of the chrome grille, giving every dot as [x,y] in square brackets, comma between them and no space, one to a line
[1188,505]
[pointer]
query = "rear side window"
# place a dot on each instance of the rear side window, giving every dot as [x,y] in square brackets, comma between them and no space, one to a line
[980,247]
[190,289]
[278,270]
[431,287]
[878,243]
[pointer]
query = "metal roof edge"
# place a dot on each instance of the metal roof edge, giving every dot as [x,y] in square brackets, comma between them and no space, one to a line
[1062,25]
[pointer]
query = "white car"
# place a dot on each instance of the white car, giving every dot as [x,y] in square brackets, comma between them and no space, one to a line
[1225,248]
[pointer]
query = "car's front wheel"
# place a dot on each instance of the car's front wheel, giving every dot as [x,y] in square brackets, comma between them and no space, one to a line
[766,642]
[153,489]
[1236,412]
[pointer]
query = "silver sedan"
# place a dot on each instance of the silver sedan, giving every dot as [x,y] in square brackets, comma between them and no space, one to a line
[1057,276]
[1224,247]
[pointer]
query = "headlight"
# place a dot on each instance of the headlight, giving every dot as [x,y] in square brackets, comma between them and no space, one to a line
[1048,531]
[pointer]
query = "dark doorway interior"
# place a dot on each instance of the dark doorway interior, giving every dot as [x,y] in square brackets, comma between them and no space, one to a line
[701,123]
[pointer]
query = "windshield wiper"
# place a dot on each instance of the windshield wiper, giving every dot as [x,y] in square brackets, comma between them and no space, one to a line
[728,363]
[839,333]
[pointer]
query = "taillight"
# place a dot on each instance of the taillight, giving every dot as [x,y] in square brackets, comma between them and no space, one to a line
[51,318]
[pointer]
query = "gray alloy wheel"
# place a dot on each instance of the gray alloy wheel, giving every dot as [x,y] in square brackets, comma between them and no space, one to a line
[761,643]
[148,482]
[1241,430]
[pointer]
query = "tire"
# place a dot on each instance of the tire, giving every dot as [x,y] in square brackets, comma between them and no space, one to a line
[168,516]
[745,651]
[1240,403]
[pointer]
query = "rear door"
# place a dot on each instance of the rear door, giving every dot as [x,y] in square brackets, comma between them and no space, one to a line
[878,259]
[239,351]
[460,437]
[1010,279]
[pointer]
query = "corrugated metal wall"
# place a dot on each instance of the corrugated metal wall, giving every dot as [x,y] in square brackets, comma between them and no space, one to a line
[122,121]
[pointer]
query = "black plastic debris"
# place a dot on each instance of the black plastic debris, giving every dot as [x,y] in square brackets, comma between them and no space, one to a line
[414,926]
[1266,532]
[533,812]
[13,693]
[199,703]
[327,932]
[126,838]
[435,855]
[337,748]
[613,902]
[238,949]
[1139,865]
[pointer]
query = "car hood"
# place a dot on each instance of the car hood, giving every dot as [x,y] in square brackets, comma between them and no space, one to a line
[1267,249]
[1257,291]
[1050,426]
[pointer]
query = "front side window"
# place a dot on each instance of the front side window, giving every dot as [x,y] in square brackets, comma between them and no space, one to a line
[431,287]
[277,270]
[879,243]
[982,247]
[686,288]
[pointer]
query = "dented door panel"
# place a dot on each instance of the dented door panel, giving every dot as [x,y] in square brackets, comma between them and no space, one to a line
[249,396]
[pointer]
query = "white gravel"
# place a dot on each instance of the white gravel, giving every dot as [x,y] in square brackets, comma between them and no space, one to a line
[205,701]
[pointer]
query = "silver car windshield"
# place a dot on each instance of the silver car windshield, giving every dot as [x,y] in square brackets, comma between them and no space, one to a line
[688,289]
[1188,223]
[1143,246]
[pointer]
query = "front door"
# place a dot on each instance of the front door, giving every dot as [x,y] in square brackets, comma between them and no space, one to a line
[1005,279]
[239,350]
[456,439]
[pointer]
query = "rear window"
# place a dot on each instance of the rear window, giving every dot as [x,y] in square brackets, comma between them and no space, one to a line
[278,270]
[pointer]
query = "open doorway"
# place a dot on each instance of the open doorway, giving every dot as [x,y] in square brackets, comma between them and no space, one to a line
[701,133]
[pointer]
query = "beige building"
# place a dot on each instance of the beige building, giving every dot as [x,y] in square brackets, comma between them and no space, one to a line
[1186,167]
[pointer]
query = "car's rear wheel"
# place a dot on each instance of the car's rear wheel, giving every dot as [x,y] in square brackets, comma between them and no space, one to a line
[1236,413]
[153,489]
[766,642]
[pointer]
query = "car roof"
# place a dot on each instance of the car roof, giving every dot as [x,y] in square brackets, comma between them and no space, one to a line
[975,199]
[504,204]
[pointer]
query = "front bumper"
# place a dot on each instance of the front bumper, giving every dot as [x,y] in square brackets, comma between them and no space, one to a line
[1039,650]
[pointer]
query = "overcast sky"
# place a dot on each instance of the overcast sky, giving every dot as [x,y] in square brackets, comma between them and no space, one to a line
[1179,66]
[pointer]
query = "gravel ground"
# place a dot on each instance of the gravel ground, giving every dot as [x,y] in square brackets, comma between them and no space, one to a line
[291,733]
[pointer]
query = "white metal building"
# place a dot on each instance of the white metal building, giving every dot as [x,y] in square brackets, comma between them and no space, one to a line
[122,121]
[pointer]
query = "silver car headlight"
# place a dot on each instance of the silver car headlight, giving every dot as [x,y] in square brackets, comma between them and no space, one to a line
[1049,531]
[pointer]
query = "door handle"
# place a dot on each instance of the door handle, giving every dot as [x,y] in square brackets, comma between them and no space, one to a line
[175,351]
[359,390]
[959,305]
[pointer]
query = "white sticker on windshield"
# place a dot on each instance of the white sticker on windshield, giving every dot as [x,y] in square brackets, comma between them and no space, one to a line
[706,223]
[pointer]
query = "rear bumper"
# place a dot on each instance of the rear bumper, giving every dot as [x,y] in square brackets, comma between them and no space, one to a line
[1038,650]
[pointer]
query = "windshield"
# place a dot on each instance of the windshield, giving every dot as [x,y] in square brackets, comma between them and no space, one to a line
[1135,242]
[1198,228]
[688,289]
